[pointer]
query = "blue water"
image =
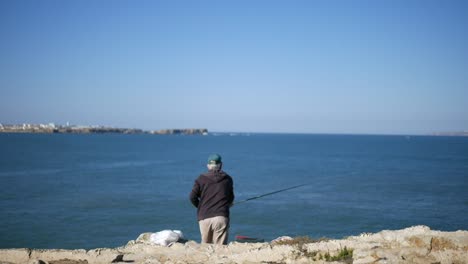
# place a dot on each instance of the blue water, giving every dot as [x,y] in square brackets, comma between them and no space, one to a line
[89,191]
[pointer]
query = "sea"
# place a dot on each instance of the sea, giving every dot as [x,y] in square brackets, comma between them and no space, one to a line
[102,190]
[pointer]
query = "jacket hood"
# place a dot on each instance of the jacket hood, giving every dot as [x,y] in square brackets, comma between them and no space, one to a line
[215,176]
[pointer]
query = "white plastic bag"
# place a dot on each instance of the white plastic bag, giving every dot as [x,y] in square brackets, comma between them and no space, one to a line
[166,237]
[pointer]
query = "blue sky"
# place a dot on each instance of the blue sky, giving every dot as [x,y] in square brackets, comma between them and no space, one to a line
[385,67]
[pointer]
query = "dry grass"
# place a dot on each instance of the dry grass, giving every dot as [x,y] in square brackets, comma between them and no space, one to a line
[344,255]
[300,241]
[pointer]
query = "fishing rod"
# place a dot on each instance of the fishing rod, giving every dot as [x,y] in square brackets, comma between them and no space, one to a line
[270,193]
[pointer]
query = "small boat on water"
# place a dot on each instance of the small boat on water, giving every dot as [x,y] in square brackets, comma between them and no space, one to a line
[246,239]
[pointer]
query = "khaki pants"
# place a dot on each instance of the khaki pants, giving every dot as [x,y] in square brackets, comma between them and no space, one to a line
[214,230]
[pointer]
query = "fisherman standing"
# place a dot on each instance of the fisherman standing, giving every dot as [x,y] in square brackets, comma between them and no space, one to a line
[213,195]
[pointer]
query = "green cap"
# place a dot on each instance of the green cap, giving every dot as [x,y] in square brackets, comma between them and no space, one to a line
[214,159]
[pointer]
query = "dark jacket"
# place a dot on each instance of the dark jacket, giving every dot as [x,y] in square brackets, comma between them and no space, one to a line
[212,194]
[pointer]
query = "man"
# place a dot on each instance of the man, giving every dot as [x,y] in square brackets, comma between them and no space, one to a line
[213,194]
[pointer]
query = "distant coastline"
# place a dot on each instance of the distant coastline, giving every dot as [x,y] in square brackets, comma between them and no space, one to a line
[51,128]
[452,134]
[72,129]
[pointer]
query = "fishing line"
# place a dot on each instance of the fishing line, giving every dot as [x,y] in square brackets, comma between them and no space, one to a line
[270,193]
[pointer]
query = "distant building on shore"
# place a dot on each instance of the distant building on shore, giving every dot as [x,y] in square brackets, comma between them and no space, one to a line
[52,128]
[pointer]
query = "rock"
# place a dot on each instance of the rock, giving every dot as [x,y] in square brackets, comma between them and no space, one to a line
[416,244]
[20,255]
[119,258]
[144,238]
[38,261]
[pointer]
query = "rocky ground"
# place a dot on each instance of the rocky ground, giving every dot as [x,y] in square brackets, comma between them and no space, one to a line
[416,244]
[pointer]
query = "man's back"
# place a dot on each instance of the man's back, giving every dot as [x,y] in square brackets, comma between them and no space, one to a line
[212,194]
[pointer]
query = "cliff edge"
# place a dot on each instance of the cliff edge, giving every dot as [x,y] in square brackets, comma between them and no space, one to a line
[418,244]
